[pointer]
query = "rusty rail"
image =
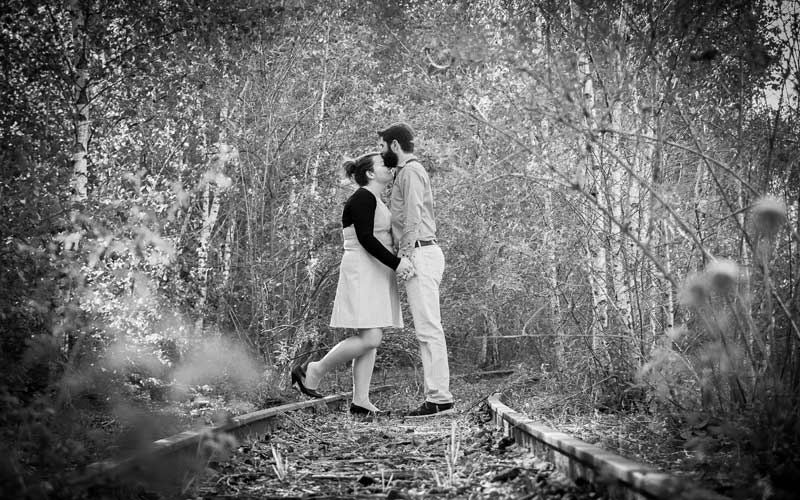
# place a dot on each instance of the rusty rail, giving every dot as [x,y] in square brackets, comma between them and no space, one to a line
[615,476]
[187,444]
[618,477]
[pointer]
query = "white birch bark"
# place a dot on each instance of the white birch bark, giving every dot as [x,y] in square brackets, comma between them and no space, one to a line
[313,189]
[489,338]
[551,248]
[667,237]
[595,248]
[323,96]
[227,255]
[214,184]
[80,174]
[646,288]
[210,209]
[483,352]
[619,203]
[619,200]
[551,238]
[746,262]
[552,278]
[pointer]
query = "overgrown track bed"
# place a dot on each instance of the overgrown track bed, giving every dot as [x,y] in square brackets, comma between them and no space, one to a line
[334,455]
[184,450]
[316,449]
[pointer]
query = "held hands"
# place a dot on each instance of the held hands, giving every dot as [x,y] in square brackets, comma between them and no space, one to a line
[405,270]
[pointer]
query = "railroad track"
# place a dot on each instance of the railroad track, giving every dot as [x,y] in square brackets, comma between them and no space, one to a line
[489,451]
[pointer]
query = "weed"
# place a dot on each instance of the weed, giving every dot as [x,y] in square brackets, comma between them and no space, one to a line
[281,466]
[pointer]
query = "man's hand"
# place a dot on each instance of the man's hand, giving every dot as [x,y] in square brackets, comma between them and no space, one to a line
[405,252]
[405,270]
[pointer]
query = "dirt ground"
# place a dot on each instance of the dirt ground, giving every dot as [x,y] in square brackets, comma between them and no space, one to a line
[116,430]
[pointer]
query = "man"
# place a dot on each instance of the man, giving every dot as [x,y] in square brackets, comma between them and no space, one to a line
[414,233]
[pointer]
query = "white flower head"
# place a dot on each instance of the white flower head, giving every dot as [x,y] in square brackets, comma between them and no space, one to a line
[723,275]
[770,213]
[694,291]
[677,332]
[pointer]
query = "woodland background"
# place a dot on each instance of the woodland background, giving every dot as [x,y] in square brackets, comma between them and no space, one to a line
[617,190]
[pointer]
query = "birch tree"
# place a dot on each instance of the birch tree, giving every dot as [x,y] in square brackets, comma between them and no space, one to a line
[80,49]
[214,184]
[590,174]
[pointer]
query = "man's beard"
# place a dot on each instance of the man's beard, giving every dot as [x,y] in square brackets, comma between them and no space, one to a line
[389,159]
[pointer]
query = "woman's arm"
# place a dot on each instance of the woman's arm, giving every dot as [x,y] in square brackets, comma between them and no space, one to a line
[360,211]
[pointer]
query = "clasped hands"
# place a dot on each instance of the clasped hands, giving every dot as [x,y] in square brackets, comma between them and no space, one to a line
[405,270]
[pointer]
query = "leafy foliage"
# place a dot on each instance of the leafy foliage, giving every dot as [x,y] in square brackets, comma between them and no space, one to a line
[591,162]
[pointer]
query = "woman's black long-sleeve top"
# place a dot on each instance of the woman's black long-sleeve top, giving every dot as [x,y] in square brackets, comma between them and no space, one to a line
[359,210]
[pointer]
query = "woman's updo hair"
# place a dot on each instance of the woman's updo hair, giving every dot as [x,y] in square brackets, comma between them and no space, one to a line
[357,169]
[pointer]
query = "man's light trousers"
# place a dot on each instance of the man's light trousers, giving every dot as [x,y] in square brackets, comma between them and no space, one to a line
[423,299]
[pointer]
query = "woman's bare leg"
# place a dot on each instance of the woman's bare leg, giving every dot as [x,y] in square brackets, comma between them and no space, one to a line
[351,348]
[362,370]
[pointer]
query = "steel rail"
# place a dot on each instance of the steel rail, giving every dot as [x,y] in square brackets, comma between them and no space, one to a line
[614,475]
[187,443]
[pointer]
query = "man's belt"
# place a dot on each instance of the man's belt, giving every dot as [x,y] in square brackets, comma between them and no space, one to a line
[424,243]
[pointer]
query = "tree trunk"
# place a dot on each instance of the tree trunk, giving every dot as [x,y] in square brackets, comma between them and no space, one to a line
[483,352]
[666,242]
[646,287]
[746,263]
[661,236]
[80,148]
[227,254]
[321,116]
[619,201]
[313,194]
[552,278]
[227,257]
[215,183]
[552,241]
[489,353]
[595,246]
[210,209]
[619,205]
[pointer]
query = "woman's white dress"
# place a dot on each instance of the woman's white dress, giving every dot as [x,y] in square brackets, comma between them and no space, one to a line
[366,295]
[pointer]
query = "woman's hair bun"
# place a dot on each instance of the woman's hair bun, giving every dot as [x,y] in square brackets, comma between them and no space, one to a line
[349,167]
[357,168]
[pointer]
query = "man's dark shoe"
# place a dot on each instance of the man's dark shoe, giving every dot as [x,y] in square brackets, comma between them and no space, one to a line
[429,409]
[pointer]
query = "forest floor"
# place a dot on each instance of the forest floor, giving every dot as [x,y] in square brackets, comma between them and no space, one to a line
[640,436]
[326,454]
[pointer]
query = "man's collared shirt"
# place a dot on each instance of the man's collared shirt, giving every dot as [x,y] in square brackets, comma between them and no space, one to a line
[412,207]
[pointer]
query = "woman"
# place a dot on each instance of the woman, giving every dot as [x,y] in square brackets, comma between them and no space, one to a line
[366,295]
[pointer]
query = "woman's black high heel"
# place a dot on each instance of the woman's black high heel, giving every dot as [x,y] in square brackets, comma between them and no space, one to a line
[360,411]
[298,375]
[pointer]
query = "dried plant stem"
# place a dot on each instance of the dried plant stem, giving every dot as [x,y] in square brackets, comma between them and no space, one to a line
[281,465]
